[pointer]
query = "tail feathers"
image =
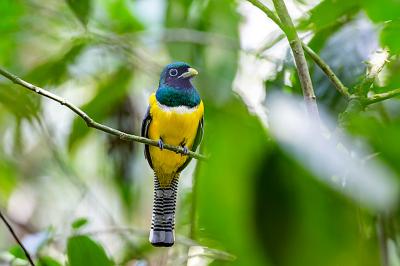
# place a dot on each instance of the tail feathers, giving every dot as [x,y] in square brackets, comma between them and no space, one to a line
[162,238]
[163,218]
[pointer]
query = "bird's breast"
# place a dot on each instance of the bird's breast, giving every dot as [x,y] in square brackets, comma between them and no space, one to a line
[175,126]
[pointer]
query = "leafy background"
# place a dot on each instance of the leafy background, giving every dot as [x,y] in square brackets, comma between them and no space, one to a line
[79,197]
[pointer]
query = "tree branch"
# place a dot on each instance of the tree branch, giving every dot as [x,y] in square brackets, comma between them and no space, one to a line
[90,122]
[382,96]
[314,56]
[328,71]
[9,227]
[299,57]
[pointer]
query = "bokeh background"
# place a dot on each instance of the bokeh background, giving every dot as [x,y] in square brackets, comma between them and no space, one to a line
[270,194]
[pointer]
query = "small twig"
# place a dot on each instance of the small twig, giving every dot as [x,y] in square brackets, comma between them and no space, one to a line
[382,96]
[28,256]
[90,122]
[328,71]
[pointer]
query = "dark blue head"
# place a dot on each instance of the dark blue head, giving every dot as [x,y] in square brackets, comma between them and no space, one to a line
[175,88]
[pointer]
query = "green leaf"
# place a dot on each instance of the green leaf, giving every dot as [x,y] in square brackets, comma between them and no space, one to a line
[390,36]
[8,178]
[328,13]
[17,252]
[382,10]
[110,93]
[83,251]
[11,13]
[225,184]
[81,8]
[19,101]
[48,261]
[78,223]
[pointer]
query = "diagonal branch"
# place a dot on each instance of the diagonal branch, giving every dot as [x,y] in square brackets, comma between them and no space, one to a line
[328,71]
[382,96]
[90,122]
[9,227]
[314,56]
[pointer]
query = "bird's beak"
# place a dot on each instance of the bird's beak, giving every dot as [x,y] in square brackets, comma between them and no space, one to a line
[189,74]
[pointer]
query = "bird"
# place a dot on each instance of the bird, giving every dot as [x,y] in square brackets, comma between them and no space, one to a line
[175,116]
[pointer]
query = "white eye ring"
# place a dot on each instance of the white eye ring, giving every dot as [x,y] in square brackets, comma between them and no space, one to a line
[173,72]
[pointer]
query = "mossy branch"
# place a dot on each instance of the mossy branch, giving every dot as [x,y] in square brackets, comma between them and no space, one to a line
[90,122]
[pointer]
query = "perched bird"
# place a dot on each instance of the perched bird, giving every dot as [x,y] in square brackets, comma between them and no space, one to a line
[175,117]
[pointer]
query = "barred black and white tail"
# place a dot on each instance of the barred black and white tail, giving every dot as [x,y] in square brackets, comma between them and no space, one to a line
[163,218]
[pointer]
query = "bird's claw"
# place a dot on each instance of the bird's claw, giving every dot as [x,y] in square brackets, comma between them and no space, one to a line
[160,144]
[185,151]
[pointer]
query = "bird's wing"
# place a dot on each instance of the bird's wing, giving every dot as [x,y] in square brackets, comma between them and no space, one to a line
[145,133]
[196,143]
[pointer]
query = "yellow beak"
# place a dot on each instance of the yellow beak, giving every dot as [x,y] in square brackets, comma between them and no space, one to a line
[190,73]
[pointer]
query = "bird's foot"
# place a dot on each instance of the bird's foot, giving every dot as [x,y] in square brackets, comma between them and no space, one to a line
[160,144]
[185,150]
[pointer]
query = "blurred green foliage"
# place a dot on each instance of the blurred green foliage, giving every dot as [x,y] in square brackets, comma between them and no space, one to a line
[253,202]
[82,250]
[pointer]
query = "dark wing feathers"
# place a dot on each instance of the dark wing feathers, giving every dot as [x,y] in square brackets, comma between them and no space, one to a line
[145,130]
[145,133]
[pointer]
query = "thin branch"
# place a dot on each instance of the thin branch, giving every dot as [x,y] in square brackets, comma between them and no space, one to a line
[314,56]
[328,71]
[299,57]
[9,227]
[382,96]
[90,122]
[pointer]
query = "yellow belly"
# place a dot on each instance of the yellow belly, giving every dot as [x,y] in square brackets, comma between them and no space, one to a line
[176,126]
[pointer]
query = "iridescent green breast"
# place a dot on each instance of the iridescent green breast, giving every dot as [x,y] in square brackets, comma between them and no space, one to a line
[173,97]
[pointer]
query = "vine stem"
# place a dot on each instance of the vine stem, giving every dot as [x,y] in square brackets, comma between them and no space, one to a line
[11,230]
[90,122]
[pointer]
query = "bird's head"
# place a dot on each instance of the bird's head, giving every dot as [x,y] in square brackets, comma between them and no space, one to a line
[175,88]
[177,75]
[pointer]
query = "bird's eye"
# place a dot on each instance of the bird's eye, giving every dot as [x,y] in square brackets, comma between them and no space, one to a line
[173,72]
